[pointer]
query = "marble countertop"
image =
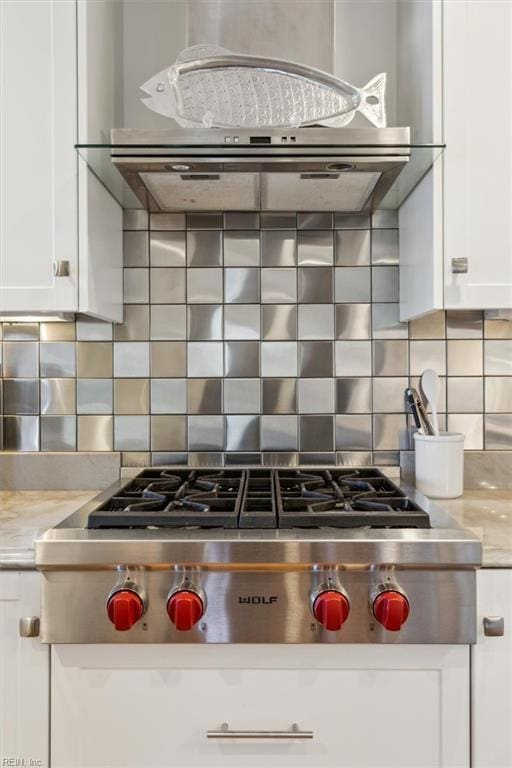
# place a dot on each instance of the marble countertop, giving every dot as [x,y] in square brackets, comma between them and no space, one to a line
[26,514]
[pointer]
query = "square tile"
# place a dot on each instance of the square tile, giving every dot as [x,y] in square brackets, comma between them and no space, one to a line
[162,221]
[498,432]
[131,433]
[315,285]
[354,432]
[205,358]
[389,394]
[315,248]
[135,325]
[57,331]
[428,354]
[168,321]
[241,321]
[278,220]
[57,359]
[497,329]
[58,397]
[241,395]
[167,285]
[204,249]
[21,397]
[351,221]
[136,286]
[390,358]
[316,321]
[168,396]
[278,249]
[135,219]
[464,324]
[58,433]
[498,394]
[279,396]
[316,358]
[353,321]
[353,358]
[241,220]
[430,326]
[21,332]
[353,395]
[279,358]
[90,329]
[242,433]
[279,322]
[242,359]
[385,284]
[131,396]
[135,249]
[385,220]
[466,394]
[204,396]
[95,433]
[241,249]
[389,431]
[204,286]
[316,395]
[131,359]
[316,433]
[21,433]
[352,248]
[471,425]
[205,433]
[279,433]
[465,357]
[167,249]
[278,286]
[205,322]
[94,359]
[168,433]
[94,396]
[315,220]
[385,246]
[352,285]
[241,285]
[386,322]
[206,220]
[20,359]
[498,357]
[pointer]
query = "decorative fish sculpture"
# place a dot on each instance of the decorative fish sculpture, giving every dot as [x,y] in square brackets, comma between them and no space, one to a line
[212,87]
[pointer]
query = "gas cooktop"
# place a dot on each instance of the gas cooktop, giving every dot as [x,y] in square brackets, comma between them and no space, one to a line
[259,498]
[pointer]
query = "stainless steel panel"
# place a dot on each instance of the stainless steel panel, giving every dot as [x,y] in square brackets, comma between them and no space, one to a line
[241,220]
[204,220]
[168,433]
[278,286]
[352,248]
[135,249]
[465,395]
[316,458]
[205,358]
[316,395]
[464,324]
[354,432]
[205,433]
[90,329]
[135,459]
[135,219]
[58,397]
[57,331]
[166,458]
[21,331]
[498,432]
[173,192]
[167,285]
[204,286]
[136,286]
[241,285]
[95,433]
[315,285]
[279,358]
[168,249]
[386,322]
[204,396]
[131,433]
[279,396]
[315,247]
[279,321]
[278,220]
[242,396]
[352,285]
[472,425]
[385,284]
[57,359]
[20,396]
[131,396]
[389,431]
[131,359]
[316,358]
[497,329]
[241,249]
[351,221]
[94,396]
[242,359]
[167,221]
[280,459]
[242,321]
[135,325]
[354,459]
[385,246]
[353,358]
[316,433]
[498,394]
[386,458]
[168,395]
[168,321]
[390,358]
[279,433]
[498,358]
[350,191]
[58,433]
[317,221]
[465,358]
[316,321]
[353,395]
[20,359]
[428,327]
[353,321]
[389,394]
[206,459]
[21,433]
[204,322]
[278,249]
[242,433]
[204,248]
[385,220]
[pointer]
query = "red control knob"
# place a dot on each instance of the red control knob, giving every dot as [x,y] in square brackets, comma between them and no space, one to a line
[185,608]
[331,609]
[125,609]
[391,609]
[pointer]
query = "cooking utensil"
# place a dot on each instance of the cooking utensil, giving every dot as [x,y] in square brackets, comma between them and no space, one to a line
[430,386]
[418,411]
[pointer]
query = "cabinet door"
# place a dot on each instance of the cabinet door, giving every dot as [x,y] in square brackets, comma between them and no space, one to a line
[491,678]
[477,72]
[37,156]
[24,675]
[152,706]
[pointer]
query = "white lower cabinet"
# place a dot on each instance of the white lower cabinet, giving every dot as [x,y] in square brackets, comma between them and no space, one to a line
[491,673]
[149,706]
[24,675]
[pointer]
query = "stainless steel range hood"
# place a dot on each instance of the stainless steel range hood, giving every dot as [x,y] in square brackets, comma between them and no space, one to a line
[305,169]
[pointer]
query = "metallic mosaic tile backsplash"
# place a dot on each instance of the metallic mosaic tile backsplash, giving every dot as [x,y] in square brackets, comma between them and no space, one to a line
[254,338]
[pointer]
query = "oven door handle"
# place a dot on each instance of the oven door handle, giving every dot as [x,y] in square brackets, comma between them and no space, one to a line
[226,733]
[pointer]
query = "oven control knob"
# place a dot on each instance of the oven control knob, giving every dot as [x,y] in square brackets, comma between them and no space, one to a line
[391,609]
[331,609]
[185,608]
[124,609]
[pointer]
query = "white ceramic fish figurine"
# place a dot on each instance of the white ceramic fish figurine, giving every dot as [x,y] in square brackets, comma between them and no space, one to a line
[210,86]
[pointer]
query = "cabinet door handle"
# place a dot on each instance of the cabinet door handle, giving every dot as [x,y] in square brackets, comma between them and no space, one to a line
[226,733]
[494,626]
[61,268]
[29,626]
[460,265]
